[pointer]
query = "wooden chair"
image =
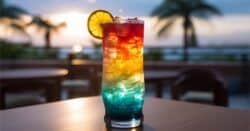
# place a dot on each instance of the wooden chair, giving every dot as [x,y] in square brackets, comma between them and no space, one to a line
[199,85]
[82,81]
[26,93]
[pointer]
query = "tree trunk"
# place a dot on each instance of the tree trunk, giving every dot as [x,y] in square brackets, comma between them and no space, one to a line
[185,40]
[193,38]
[47,40]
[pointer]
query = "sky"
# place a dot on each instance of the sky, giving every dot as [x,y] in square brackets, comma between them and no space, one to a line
[232,28]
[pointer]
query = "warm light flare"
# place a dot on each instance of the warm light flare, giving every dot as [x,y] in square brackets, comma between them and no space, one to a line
[76,48]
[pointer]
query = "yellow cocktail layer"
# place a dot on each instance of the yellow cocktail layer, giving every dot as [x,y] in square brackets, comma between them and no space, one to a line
[119,66]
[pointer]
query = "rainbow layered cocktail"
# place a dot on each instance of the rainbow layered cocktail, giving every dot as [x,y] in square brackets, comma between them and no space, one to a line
[123,78]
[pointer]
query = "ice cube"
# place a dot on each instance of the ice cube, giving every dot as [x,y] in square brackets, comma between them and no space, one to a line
[134,20]
[123,30]
[117,19]
[113,55]
[111,40]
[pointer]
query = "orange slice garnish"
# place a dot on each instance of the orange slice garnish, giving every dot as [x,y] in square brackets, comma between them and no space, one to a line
[95,21]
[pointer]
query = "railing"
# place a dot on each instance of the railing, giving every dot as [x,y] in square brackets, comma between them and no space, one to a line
[176,54]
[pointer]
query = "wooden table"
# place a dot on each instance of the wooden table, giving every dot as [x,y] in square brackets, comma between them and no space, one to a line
[18,79]
[86,114]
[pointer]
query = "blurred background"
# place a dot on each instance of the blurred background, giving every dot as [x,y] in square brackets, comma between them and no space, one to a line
[195,50]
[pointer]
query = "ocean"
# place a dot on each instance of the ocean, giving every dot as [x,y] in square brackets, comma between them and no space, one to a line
[173,53]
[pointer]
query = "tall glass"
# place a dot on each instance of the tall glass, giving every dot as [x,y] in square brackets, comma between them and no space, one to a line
[123,77]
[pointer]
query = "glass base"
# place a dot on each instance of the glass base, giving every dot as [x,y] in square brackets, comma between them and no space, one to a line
[124,124]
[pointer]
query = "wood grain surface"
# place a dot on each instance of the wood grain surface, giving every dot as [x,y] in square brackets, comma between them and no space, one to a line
[86,114]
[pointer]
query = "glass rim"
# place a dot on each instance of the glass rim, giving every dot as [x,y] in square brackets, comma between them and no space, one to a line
[134,20]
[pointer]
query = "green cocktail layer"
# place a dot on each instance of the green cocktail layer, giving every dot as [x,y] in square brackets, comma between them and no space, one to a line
[123,101]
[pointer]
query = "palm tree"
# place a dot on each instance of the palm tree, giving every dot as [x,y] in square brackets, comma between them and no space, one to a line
[10,11]
[48,27]
[169,11]
[10,16]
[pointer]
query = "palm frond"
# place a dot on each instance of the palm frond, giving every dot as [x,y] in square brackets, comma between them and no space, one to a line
[19,28]
[184,9]
[167,9]
[13,12]
[15,26]
[40,23]
[170,13]
[16,9]
[60,25]
[56,27]
[204,10]
[43,24]
[159,9]
[164,30]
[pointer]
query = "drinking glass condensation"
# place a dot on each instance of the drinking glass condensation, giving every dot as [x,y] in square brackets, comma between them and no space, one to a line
[123,77]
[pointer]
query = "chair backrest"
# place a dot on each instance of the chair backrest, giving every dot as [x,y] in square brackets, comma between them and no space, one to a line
[88,71]
[201,80]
